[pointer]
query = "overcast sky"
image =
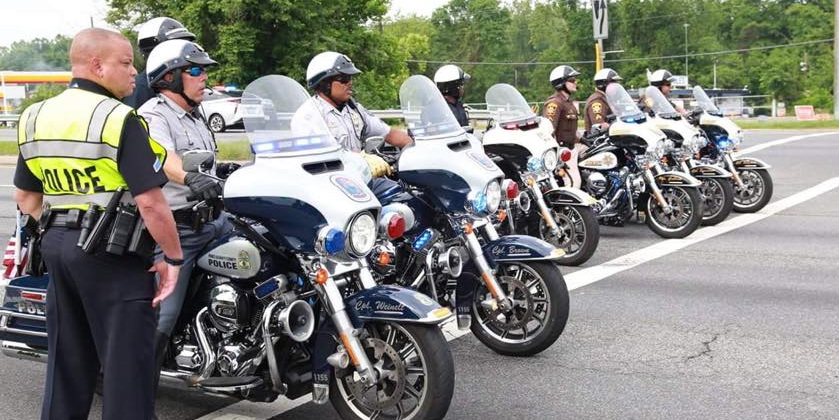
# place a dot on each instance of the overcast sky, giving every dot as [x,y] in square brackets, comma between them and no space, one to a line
[30,19]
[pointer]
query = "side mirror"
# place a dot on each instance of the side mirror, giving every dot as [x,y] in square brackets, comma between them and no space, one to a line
[198,160]
[373,144]
[469,129]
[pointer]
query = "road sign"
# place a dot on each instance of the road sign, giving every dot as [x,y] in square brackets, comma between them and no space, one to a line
[805,113]
[600,19]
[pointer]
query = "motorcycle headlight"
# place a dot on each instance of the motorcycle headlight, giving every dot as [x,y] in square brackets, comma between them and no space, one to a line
[549,160]
[493,194]
[534,164]
[362,234]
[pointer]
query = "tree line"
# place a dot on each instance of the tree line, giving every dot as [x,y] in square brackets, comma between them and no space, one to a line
[516,42]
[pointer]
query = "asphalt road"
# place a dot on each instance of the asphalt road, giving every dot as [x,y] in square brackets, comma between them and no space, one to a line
[741,325]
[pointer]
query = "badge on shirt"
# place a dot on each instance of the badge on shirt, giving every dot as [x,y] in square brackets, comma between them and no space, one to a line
[550,110]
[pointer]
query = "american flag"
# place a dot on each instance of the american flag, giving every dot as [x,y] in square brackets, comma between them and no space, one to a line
[14,259]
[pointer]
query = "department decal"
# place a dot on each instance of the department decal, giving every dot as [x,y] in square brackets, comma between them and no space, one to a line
[351,188]
[482,160]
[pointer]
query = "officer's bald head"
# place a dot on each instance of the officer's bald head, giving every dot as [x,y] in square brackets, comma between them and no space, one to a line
[104,57]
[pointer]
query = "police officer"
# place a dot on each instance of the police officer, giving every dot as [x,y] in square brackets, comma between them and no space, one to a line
[597,108]
[560,109]
[330,75]
[77,151]
[663,80]
[450,79]
[151,33]
[177,69]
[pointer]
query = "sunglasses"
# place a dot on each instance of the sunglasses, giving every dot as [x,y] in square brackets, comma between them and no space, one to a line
[195,71]
[343,78]
[574,81]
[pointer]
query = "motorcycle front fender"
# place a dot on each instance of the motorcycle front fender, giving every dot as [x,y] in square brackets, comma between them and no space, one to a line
[395,303]
[676,179]
[750,163]
[709,171]
[569,197]
[519,248]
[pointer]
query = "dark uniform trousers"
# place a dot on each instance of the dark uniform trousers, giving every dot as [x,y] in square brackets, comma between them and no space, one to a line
[98,307]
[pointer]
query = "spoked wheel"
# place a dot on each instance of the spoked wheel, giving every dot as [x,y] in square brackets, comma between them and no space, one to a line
[718,194]
[538,314]
[685,214]
[416,371]
[579,233]
[756,191]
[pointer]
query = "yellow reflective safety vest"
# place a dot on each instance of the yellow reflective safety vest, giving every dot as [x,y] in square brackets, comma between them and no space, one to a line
[70,142]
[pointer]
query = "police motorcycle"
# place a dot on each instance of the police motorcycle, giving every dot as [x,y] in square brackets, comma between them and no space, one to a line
[286,304]
[622,170]
[521,144]
[753,185]
[717,189]
[507,289]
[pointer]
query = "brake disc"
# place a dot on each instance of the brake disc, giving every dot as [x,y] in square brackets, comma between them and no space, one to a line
[391,369]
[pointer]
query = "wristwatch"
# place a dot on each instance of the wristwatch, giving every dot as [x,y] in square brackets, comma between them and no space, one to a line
[174,262]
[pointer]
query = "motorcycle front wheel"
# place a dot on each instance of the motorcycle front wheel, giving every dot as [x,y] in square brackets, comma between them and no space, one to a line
[579,233]
[756,191]
[684,217]
[416,371]
[719,199]
[538,314]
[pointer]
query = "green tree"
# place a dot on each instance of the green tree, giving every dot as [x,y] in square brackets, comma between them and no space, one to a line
[42,92]
[40,54]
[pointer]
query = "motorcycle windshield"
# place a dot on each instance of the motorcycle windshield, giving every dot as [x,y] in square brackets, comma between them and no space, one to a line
[270,104]
[622,104]
[426,113]
[658,103]
[704,101]
[505,104]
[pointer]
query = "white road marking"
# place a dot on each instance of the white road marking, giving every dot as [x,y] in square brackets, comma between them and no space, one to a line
[246,410]
[594,274]
[779,142]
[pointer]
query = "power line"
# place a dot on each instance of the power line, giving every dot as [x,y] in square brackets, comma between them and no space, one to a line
[665,57]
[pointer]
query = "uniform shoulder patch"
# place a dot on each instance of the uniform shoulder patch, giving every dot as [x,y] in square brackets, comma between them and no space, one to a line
[550,110]
[597,107]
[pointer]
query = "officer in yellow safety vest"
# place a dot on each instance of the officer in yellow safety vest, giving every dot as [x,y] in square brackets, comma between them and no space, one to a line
[89,172]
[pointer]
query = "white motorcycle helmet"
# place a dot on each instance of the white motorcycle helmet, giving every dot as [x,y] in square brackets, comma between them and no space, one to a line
[175,56]
[561,74]
[328,64]
[449,79]
[661,77]
[604,77]
[158,30]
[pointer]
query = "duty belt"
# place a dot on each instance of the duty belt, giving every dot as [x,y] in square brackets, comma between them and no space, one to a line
[69,219]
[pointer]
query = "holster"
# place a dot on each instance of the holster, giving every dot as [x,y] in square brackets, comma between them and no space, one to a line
[128,234]
[35,265]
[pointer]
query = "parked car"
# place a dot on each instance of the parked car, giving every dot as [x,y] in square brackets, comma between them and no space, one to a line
[221,109]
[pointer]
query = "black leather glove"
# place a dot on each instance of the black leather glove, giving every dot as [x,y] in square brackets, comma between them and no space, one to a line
[224,169]
[202,186]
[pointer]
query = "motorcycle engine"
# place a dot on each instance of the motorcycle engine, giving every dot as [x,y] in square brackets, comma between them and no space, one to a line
[596,183]
[230,307]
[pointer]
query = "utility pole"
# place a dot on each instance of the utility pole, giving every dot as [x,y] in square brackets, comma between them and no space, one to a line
[686,53]
[836,59]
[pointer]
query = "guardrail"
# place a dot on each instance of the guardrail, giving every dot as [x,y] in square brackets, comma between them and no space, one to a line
[474,114]
[9,120]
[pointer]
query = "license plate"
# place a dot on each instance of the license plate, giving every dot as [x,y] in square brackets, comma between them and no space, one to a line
[31,308]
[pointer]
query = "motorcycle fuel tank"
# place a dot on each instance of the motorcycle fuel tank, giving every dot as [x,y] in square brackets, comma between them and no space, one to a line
[600,161]
[238,259]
